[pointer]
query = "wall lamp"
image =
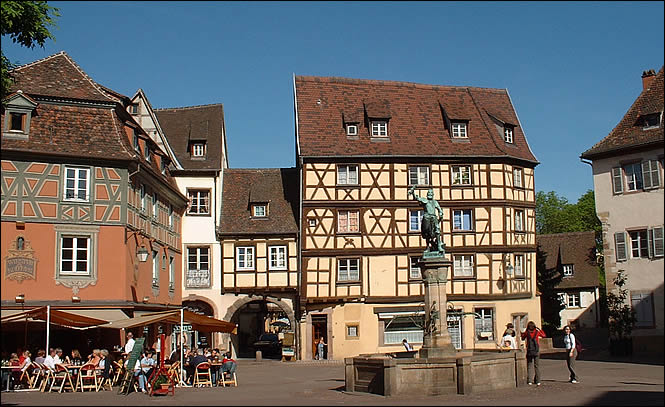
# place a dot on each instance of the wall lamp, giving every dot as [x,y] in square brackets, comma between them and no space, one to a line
[146,299]
[509,269]
[76,298]
[20,299]
[142,254]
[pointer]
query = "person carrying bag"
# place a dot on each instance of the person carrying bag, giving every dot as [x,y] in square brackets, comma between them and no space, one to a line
[571,352]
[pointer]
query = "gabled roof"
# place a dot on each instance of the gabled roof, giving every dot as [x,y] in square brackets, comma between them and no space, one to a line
[182,125]
[278,187]
[630,133]
[417,124]
[59,76]
[577,248]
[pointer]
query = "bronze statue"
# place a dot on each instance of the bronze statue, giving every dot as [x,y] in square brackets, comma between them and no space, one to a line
[430,226]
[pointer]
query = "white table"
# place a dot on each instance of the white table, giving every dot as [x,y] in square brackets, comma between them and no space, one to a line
[10,368]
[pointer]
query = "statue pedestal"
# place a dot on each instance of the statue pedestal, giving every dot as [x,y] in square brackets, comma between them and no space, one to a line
[436,339]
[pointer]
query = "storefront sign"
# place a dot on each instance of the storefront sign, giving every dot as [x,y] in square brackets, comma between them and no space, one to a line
[20,262]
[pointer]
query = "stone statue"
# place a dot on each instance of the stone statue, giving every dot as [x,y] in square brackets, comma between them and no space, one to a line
[430,227]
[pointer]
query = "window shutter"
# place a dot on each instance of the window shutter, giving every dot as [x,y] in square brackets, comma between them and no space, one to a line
[617,180]
[620,241]
[656,235]
[650,243]
[646,175]
[655,174]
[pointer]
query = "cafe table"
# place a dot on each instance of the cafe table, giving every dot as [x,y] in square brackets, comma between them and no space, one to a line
[74,371]
[9,370]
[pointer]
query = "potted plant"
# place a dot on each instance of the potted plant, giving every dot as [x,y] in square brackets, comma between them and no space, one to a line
[161,381]
[621,318]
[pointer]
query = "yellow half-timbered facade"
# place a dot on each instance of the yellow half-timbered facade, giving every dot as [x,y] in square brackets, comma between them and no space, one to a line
[361,146]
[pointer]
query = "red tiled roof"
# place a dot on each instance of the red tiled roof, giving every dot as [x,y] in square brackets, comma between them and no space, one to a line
[279,187]
[58,76]
[578,249]
[629,132]
[182,124]
[416,122]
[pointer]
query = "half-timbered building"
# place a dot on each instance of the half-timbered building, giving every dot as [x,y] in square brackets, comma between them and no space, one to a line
[361,145]
[90,212]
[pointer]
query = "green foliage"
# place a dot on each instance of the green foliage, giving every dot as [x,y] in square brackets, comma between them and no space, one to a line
[161,379]
[26,23]
[554,214]
[550,304]
[622,317]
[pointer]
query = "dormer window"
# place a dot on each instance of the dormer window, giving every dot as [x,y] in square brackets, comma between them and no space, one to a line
[351,129]
[147,152]
[650,121]
[259,210]
[198,150]
[134,108]
[164,163]
[508,134]
[379,128]
[459,130]
[17,121]
[137,146]
[18,111]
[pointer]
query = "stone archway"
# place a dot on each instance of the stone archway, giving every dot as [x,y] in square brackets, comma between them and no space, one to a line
[200,305]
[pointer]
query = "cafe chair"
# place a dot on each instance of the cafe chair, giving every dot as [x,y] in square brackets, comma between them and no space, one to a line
[202,376]
[88,378]
[28,375]
[61,373]
[228,382]
[174,372]
[119,370]
[47,377]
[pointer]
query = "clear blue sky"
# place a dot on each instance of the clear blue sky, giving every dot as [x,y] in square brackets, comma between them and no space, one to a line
[572,68]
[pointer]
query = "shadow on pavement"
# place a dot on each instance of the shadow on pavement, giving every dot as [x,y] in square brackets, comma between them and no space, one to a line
[602,355]
[628,398]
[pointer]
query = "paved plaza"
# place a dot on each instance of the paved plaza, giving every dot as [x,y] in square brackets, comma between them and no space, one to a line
[322,383]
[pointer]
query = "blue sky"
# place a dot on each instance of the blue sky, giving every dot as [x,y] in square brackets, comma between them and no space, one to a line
[572,68]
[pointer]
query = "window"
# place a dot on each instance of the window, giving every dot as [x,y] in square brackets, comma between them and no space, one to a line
[650,174]
[573,300]
[642,304]
[517,178]
[134,108]
[454,324]
[508,134]
[419,175]
[198,267]
[76,184]
[651,120]
[459,130]
[198,149]
[562,299]
[519,265]
[170,216]
[277,257]
[352,331]
[137,145]
[484,324]
[414,270]
[155,269]
[347,222]
[463,265]
[568,270]
[75,255]
[311,222]
[155,205]
[199,201]
[519,220]
[380,128]
[351,129]
[402,325]
[17,121]
[462,219]
[143,198]
[259,211]
[171,273]
[163,162]
[348,270]
[656,238]
[617,180]
[620,246]
[415,220]
[633,176]
[347,174]
[245,258]
[639,244]
[461,175]
[148,156]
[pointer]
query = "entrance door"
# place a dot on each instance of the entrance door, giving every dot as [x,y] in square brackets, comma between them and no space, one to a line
[319,330]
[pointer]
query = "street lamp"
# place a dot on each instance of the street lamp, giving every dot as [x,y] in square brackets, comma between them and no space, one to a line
[142,254]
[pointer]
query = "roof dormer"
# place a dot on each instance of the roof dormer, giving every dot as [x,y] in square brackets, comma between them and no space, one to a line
[377,113]
[19,110]
[455,120]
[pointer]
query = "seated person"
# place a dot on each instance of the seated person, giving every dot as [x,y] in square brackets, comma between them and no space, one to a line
[508,342]
[41,356]
[75,359]
[95,357]
[144,369]
[58,359]
[229,366]
[194,361]
[407,345]
[25,364]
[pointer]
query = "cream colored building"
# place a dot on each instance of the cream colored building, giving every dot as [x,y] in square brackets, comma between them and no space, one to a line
[628,186]
[361,145]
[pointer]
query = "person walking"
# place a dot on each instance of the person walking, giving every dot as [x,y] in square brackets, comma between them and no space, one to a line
[532,337]
[319,349]
[571,352]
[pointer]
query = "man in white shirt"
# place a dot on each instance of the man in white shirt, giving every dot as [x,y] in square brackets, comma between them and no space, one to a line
[49,360]
[58,356]
[130,343]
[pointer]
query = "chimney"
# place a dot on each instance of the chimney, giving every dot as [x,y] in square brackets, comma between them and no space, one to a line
[647,78]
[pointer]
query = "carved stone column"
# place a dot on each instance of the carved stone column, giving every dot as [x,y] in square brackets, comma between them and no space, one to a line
[436,339]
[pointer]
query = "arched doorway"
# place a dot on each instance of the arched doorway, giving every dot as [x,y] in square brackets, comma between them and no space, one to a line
[198,339]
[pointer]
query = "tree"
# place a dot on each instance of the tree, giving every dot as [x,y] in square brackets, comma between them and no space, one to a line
[26,23]
[547,281]
[554,214]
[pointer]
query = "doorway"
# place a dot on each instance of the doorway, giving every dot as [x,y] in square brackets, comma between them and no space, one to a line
[319,330]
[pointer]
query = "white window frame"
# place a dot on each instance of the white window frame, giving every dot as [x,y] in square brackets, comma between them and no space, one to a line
[137,144]
[417,216]
[148,156]
[485,315]
[346,226]
[76,189]
[259,210]
[518,177]
[633,176]
[155,268]
[155,205]
[617,180]
[170,216]
[568,270]
[75,250]
[347,174]
[508,134]
[414,270]
[351,129]
[198,195]
[379,128]
[639,242]
[277,257]
[200,268]
[458,219]
[198,149]
[419,175]
[352,331]
[171,273]
[573,300]
[245,258]
[142,197]
[459,130]
[518,269]
[348,270]
[461,175]
[519,220]
[463,266]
